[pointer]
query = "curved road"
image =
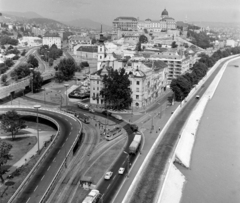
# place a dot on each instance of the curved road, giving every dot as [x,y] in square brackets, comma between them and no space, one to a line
[69,129]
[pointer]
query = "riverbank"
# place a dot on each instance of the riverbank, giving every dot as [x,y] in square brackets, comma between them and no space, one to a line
[174,181]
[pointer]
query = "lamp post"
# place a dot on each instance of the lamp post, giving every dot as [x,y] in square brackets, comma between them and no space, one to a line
[44,95]
[61,99]
[31,78]
[127,162]
[37,107]
[66,85]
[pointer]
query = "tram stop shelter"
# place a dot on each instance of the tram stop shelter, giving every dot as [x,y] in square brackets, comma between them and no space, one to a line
[86,182]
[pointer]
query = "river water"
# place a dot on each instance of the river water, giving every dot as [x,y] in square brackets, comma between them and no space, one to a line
[214,174]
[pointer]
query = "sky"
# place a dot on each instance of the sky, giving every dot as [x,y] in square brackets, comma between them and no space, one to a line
[105,11]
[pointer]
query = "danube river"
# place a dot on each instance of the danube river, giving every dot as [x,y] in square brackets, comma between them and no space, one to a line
[214,174]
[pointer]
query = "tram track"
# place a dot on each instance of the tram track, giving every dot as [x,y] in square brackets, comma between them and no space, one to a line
[69,182]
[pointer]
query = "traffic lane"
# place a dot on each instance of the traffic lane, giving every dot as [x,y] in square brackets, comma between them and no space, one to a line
[55,164]
[109,187]
[44,168]
[104,186]
[110,193]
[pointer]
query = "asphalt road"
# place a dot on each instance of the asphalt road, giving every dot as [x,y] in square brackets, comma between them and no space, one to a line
[40,181]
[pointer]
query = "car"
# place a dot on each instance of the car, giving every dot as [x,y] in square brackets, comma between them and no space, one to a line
[134,127]
[106,113]
[197,96]
[121,170]
[117,117]
[108,175]
[91,110]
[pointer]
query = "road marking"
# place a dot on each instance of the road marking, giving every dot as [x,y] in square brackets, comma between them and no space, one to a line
[48,168]
[42,177]
[108,186]
[35,188]
[58,151]
[54,159]
[71,124]
[114,177]
[66,139]
[63,143]
[71,128]
[28,200]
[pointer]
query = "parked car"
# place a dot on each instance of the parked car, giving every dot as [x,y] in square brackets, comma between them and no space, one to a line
[91,110]
[108,175]
[197,96]
[121,170]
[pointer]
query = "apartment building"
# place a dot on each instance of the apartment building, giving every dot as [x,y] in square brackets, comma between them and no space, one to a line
[52,38]
[177,63]
[148,81]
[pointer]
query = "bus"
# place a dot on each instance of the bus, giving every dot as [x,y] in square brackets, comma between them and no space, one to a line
[112,134]
[82,117]
[92,197]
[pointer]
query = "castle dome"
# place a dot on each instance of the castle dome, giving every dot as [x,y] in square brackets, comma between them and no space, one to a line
[165,13]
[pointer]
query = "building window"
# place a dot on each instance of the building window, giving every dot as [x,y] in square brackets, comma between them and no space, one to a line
[138,82]
[137,96]
[100,57]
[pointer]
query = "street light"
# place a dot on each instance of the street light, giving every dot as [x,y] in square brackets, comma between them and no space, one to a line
[61,98]
[37,107]
[66,85]
[31,78]
[127,162]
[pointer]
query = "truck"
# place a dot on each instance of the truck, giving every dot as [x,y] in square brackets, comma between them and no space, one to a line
[135,144]
[92,197]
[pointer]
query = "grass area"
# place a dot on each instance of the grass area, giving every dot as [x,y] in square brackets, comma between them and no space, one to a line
[20,147]
[98,169]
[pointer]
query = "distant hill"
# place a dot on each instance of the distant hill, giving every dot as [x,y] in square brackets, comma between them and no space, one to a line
[87,23]
[216,24]
[46,22]
[22,14]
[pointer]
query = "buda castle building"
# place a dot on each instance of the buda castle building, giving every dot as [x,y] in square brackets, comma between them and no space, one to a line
[134,24]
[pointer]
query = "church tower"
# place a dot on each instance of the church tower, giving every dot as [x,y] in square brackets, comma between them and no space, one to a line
[101,54]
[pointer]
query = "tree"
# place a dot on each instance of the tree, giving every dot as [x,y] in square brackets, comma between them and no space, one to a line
[21,71]
[138,46]
[23,52]
[33,61]
[65,69]
[12,122]
[116,90]
[5,155]
[4,79]
[50,61]
[143,39]
[37,81]
[174,44]
[9,62]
